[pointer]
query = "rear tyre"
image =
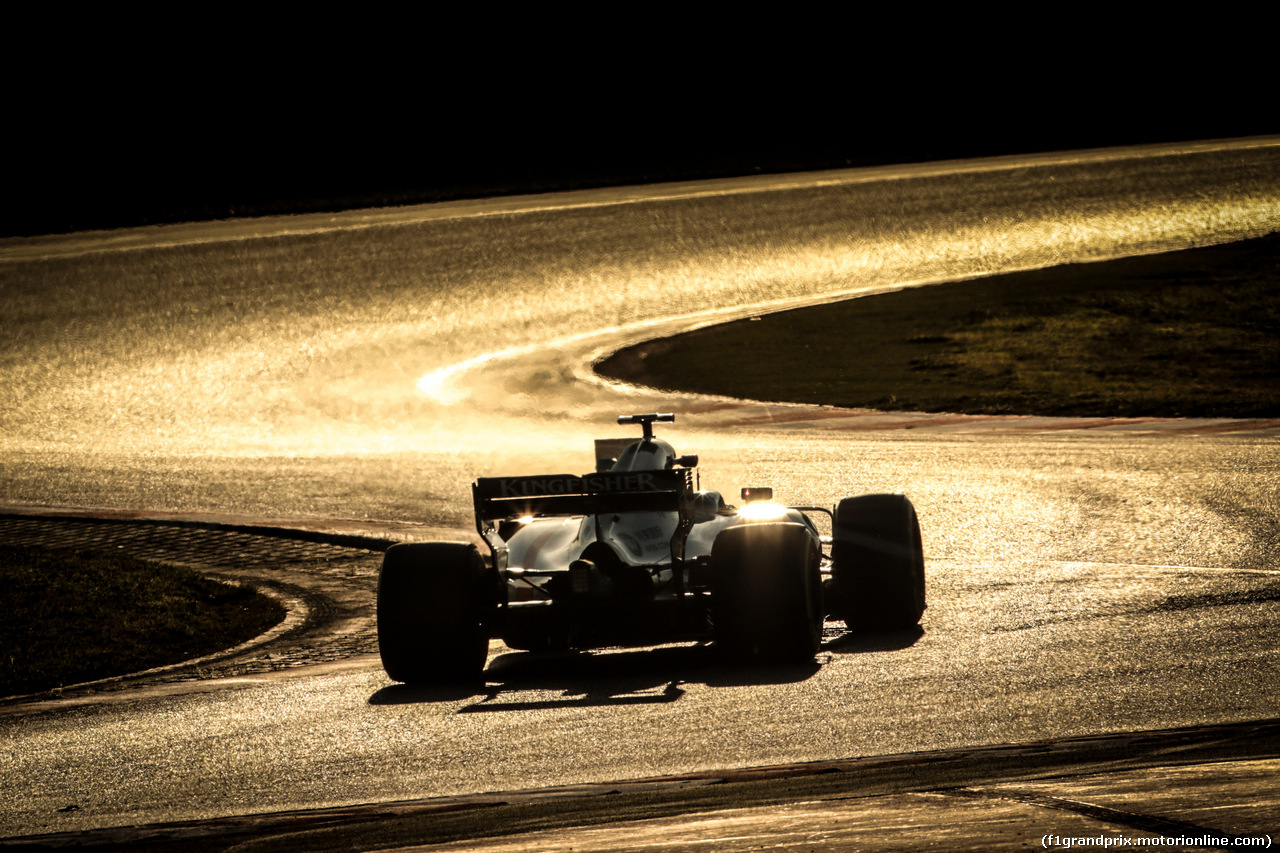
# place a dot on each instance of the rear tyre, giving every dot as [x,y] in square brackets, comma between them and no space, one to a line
[767,593]
[877,563]
[432,610]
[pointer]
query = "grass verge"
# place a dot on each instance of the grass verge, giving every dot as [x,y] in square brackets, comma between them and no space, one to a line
[73,616]
[1194,333]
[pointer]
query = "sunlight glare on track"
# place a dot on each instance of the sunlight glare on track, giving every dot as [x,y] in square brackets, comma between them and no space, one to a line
[446,333]
[806,264]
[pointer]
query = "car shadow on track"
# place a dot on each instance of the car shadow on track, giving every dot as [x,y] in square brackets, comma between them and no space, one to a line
[525,681]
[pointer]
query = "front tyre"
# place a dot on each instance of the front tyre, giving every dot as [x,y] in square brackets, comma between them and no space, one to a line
[877,563]
[432,610]
[767,592]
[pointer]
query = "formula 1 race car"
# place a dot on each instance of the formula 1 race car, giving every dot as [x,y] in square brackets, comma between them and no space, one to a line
[636,554]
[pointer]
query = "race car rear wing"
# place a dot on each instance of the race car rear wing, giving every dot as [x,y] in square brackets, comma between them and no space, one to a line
[511,498]
[591,494]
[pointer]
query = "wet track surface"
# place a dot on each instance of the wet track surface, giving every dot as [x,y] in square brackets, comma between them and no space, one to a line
[1084,578]
[1036,628]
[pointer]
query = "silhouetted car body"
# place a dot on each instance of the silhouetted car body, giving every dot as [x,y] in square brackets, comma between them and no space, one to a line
[635,554]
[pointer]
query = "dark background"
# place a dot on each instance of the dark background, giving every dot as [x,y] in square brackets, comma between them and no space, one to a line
[102,132]
[186,169]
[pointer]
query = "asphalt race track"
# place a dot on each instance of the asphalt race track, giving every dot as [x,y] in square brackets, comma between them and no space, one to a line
[348,376]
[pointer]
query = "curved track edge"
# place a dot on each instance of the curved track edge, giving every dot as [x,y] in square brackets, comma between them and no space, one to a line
[961,774]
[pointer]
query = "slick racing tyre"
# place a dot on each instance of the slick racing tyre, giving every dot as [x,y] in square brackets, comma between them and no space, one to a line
[877,564]
[432,610]
[766,595]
